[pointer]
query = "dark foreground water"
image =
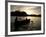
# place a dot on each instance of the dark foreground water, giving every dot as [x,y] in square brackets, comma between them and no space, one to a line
[35,23]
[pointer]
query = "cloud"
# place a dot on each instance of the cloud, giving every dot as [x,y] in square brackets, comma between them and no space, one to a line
[27,9]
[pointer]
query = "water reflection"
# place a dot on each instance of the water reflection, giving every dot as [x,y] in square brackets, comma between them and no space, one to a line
[33,24]
[36,22]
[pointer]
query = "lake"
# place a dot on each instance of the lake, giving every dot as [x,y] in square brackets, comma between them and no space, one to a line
[35,22]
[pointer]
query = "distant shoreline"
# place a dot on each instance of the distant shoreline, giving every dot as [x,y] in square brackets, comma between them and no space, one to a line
[18,13]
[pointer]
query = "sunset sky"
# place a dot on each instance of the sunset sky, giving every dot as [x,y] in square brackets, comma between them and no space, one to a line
[28,9]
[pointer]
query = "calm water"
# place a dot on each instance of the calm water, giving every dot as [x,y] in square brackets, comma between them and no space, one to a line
[36,22]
